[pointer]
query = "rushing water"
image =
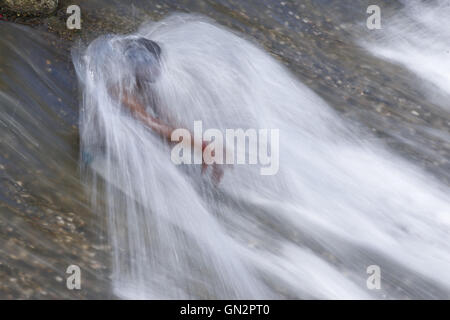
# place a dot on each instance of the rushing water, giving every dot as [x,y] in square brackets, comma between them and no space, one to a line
[45,220]
[337,205]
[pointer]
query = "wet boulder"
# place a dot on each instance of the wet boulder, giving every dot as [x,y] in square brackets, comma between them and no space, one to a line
[30,7]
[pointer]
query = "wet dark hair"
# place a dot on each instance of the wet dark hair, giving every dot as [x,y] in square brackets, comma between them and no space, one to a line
[143,55]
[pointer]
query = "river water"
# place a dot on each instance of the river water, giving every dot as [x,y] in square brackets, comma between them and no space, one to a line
[362,178]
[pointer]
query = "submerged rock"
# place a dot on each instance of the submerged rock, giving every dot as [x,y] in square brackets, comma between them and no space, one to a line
[32,7]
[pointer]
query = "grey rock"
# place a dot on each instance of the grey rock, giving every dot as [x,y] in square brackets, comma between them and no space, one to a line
[32,7]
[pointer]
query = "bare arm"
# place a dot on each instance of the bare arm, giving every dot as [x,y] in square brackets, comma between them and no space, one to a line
[139,111]
[165,131]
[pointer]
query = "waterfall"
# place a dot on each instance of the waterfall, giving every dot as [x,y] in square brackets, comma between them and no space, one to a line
[338,204]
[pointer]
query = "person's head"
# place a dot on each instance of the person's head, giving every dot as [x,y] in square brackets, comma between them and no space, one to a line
[143,56]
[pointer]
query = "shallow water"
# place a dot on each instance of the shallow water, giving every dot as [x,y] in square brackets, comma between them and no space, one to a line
[46,223]
[362,179]
[417,37]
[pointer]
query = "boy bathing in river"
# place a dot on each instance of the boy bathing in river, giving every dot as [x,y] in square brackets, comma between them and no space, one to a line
[143,56]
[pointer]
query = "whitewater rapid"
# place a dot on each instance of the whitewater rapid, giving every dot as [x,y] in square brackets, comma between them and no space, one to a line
[339,203]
